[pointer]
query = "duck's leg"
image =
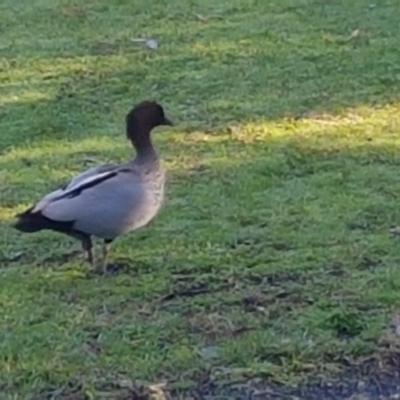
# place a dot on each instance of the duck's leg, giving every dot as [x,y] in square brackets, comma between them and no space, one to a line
[87,246]
[106,251]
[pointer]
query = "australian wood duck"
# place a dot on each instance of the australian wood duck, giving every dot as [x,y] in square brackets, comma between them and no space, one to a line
[109,200]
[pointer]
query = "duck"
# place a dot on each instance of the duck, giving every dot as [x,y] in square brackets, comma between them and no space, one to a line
[109,200]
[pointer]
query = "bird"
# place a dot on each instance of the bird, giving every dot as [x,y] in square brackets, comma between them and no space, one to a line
[109,200]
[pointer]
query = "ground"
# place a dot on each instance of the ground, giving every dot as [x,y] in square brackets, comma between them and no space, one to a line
[275,261]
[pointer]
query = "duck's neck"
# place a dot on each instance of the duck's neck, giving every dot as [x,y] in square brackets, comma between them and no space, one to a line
[145,151]
[146,156]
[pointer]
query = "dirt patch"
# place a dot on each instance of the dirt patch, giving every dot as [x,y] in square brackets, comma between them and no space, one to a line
[373,379]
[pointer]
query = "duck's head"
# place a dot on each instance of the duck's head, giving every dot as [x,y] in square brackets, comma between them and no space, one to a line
[143,118]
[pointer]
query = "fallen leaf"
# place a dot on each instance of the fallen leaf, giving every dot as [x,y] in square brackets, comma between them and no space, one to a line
[158,391]
[200,17]
[15,256]
[354,34]
[395,230]
[149,43]
[343,40]
[152,44]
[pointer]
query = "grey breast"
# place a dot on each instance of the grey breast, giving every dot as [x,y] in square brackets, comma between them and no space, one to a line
[153,196]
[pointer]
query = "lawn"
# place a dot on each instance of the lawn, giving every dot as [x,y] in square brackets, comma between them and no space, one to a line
[273,259]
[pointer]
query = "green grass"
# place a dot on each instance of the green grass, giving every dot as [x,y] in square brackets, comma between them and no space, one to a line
[283,186]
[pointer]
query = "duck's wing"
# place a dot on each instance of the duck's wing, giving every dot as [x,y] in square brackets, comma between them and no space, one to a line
[85,176]
[99,204]
[89,173]
[90,179]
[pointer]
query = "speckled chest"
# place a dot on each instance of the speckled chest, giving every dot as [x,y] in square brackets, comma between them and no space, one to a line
[155,187]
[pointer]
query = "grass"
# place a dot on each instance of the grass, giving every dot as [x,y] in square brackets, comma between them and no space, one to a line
[272,258]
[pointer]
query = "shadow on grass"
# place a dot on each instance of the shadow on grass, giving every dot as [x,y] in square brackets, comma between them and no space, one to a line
[303,217]
[302,196]
[249,200]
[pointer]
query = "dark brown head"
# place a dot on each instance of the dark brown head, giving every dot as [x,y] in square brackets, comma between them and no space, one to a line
[143,118]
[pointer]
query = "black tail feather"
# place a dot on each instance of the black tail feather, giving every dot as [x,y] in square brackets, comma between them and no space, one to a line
[29,222]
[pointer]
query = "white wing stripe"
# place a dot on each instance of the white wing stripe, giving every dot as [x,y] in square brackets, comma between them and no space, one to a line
[62,194]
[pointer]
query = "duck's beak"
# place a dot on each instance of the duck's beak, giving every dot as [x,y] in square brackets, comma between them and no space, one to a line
[168,122]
